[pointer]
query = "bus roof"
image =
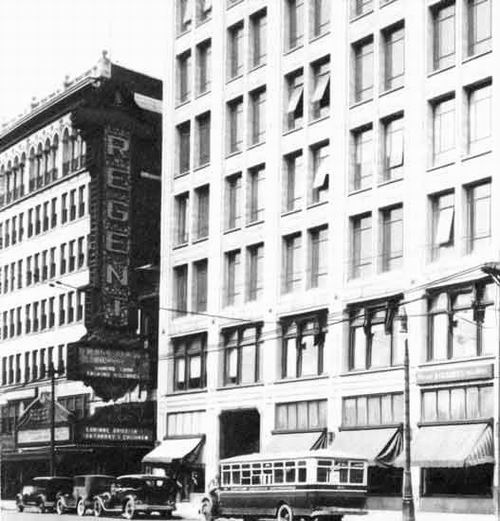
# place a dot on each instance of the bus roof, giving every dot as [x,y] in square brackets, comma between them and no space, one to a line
[303,454]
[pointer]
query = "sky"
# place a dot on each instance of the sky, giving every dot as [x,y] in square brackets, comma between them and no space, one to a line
[42,41]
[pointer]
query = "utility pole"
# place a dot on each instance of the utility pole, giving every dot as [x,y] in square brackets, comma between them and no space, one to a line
[408,506]
[52,418]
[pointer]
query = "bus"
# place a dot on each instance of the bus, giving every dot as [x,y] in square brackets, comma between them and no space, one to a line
[310,484]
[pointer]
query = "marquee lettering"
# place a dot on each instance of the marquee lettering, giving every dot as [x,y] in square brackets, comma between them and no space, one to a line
[118,211]
[113,275]
[117,242]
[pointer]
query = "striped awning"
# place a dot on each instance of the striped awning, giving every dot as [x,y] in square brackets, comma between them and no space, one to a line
[185,449]
[452,446]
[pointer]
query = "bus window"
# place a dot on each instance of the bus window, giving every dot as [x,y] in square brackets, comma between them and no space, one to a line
[278,475]
[245,477]
[236,477]
[290,472]
[324,470]
[226,477]
[267,478]
[357,472]
[302,474]
[255,477]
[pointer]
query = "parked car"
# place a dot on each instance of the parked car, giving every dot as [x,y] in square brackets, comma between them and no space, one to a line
[42,492]
[85,489]
[136,493]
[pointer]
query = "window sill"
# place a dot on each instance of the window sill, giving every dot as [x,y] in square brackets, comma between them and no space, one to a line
[476,154]
[254,223]
[318,36]
[180,104]
[455,422]
[182,174]
[370,427]
[292,130]
[390,91]
[234,78]
[203,22]
[232,154]
[254,68]
[315,205]
[231,230]
[360,102]
[291,212]
[183,393]
[302,379]
[232,4]
[201,167]
[202,94]
[476,56]
[359,191]
[389,182]
[387,2]
[232,387]
[200,239]
[256,145]
[318,120]
[360,16]
[439,71]
[180,246]
[373,371]
[436,363]
[440,165]
[183,33]
[286,52]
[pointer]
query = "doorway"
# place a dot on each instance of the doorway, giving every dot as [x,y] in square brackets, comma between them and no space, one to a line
[239,432]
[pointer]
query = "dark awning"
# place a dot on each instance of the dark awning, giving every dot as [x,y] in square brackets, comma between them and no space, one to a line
[452,446]
[378,446]
[175,449]
[294,441]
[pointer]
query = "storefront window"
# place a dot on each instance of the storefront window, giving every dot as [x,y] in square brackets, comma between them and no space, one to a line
[189,362]
[462,322]
[461,481]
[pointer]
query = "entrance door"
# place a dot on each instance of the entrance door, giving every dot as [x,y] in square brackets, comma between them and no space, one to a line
[239,432]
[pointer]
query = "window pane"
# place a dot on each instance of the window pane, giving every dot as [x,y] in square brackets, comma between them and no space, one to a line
[374,417]
[429,406]
[473,409]
[248,358]
[362,418]
[443,404]
[487,401]
[464,334]
[457,404]
[439,324]
[359,348]
[381,347]
[309,352]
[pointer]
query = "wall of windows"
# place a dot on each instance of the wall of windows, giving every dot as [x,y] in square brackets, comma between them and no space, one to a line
[301,416]
[372,410]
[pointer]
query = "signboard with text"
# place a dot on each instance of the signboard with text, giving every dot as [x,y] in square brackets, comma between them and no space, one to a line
[454,374]
[128,434]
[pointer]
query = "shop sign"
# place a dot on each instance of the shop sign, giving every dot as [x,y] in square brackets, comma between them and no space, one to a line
[93,432]
[91,362]
[30,436]
[455,374]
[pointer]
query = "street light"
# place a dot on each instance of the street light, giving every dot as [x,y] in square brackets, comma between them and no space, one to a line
[408,506]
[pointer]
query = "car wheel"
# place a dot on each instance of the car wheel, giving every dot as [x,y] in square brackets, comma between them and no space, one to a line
[206,510]
[284,513]
[60,507]
[19,506]
[41,506]
[129,509]
[98,510]
[81,507]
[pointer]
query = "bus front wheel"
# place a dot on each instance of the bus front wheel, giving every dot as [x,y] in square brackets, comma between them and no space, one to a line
[284,513]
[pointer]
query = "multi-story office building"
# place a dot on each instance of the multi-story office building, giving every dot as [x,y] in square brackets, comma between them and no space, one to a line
[61,230]
[333,163]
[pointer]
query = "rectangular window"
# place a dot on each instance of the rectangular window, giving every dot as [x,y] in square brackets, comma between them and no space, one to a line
[27,319]
[72,256]
[72,205]
[394,57]
[200,285]
[81,252]
[320,172]
[53,213]
[255,194]
[64,208]
[38,221]
[36,267]
[203,141]
[318,257]
[184,16]
[478,26]
[241,355]
[360,7]
[363,70]
[189,362]
[62,309]
[80,305]
[203,11]
[181,204]
[443,224]
[235,125]
[235,51]
[443,135]
[320,18]
[44,314]
[233,201]
[45,225]
[62,261]
[204,66]
[255,272]
[362,159]
[306,415]
[81,200]
[320,98]
[293,181]
[183,77]
[372,410]
[52,317]
[180,289]
[19,274]
[373,337]
[294,24]
[258,39]
[233,278]
[184,147]
[479,121]
[202,211]
[392,238]
[294,98]
[393,149]
[45,267]
[361,245]
[443,28]
[186,423]
[292,263]
[478,216]
[257,118]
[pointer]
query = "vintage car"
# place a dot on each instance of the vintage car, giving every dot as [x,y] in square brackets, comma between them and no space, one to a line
[138,493]
[42,492]
[85,489]
[308,484]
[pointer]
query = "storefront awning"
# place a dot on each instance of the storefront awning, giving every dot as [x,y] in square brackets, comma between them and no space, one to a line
[378,446]
[186,449]
[452,446]
[290,442]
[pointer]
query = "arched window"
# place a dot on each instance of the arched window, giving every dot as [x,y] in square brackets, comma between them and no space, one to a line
[22,179]
[32,170]
[46,161]
[66,152]
[39,166]
[54,152]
